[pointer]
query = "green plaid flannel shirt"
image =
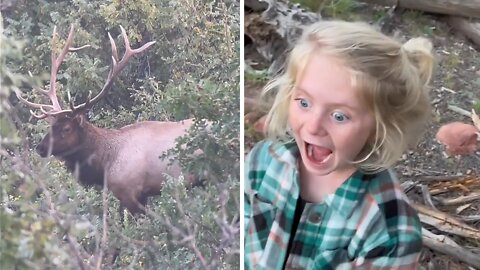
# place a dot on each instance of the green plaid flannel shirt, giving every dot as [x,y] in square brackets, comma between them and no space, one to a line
[367,224]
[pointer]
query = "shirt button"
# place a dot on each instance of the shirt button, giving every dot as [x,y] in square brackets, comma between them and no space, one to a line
[315,218]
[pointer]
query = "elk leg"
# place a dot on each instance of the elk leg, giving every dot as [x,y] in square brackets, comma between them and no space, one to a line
[132,207]
[135,205]
[128,199]
[143,200]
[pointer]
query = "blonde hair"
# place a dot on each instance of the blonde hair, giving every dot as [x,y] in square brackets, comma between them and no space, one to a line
[391,79]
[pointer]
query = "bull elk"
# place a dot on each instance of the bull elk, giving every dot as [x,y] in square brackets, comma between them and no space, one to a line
[128,159]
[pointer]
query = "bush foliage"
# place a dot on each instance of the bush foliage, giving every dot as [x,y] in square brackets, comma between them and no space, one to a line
[49,221]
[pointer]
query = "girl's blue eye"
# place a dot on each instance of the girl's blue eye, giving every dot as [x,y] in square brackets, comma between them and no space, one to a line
[303,103]
[339,117]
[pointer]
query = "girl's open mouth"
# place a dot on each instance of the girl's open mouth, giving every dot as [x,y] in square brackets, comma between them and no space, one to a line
[318,154]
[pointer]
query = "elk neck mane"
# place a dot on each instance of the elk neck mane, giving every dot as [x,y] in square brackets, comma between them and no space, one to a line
[87,161]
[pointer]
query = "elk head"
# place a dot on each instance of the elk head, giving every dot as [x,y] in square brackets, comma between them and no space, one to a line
[65,136]
[67,126]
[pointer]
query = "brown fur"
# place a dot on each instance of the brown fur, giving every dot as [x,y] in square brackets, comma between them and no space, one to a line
[127,158]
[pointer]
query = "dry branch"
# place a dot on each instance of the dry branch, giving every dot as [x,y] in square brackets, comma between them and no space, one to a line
[273,27]
[473,218]
[462,208]
[459,110]
[441,178]
[427,198]
[438,237]
[445,245]
[445,222]
[462,199]
[470,29]
[475,119]
[467,8]
[464,183]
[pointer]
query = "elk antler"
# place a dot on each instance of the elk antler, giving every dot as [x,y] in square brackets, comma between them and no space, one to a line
[54,108]
[115,69]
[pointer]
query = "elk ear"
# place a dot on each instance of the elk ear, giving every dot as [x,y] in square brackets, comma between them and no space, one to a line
[50,119]
[80,118]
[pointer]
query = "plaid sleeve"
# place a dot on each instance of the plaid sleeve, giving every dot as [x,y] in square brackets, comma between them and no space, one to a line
[398,247]
[388,232]
[265,196]
[247,207]
[254,170]
[400,252]
[402,249]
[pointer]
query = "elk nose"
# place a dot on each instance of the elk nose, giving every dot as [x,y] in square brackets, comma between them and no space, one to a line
[41,150]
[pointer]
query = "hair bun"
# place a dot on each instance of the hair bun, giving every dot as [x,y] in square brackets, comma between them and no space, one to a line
[420,52]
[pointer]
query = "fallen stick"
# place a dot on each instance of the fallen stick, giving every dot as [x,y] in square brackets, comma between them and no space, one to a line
[445,245]
[475,119]
[441,178]
[462,199]
[467,8]
[462,208]
[408,185]
[427,198]
[470,29]
[472,218]
[445,222]
[459,110]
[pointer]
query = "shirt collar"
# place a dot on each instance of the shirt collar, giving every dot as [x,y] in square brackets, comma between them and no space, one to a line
[345,198]
[285,152]
[349,194]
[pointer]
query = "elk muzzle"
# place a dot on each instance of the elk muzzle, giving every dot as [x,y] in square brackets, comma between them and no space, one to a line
[43,148]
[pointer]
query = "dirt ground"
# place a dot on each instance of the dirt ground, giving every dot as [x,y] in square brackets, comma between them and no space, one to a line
[456,82]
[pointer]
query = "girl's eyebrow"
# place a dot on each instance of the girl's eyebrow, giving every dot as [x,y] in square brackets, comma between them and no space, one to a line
[302,91]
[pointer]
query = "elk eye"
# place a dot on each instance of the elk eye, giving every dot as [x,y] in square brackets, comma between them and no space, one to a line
[66,129]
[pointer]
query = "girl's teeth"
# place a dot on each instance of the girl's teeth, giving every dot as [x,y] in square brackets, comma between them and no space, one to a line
[317,153]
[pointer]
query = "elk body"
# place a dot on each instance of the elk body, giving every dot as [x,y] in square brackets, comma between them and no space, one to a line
[128,159]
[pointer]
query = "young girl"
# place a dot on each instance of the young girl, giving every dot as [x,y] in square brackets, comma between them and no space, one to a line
[319,193]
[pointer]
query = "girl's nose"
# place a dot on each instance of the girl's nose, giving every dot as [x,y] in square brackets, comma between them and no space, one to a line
[316,125]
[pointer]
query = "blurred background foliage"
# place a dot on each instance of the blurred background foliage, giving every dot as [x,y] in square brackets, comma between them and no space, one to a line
[49,221]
